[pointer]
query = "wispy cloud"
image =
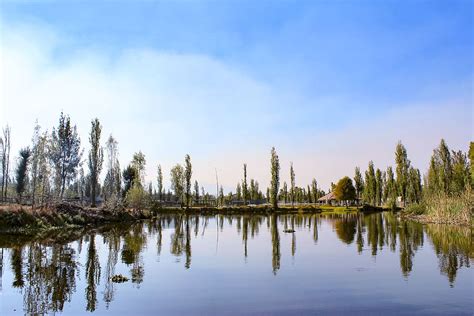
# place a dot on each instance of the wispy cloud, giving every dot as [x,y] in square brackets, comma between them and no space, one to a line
[169,104]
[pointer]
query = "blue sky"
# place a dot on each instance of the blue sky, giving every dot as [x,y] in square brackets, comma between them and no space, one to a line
[331,84]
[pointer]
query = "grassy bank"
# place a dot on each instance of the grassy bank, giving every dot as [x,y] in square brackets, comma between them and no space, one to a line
[24,220]
[443,209]
[19,219]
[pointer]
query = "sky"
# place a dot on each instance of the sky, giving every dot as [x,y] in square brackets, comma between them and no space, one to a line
[330,84]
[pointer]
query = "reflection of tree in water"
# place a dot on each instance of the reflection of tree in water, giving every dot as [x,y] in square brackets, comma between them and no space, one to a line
[92,275]
[360,234]
[112,238]
[315,229]
[275,243]
[346,228]
[188,244]
[411,237]
[181,239]
[453,246]
[375,232]
[17,266]
[133,244]
[177,237]
[50,278]
[391,227]
[245,233]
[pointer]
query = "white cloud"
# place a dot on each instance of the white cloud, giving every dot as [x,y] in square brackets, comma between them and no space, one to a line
[168,105]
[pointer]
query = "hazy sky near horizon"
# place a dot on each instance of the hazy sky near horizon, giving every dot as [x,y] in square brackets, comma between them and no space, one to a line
[331,85]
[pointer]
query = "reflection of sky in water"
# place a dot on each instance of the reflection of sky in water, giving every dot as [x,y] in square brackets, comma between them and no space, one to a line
[328,275]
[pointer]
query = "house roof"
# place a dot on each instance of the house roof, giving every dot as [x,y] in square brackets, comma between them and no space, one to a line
[327,197]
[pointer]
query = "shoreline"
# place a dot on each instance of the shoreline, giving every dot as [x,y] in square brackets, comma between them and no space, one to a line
[20,220]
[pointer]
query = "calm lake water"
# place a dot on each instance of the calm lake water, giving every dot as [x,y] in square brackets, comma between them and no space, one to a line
[333,264]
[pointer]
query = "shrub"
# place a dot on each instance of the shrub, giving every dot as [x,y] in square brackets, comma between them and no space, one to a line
[136,197]
[416,209]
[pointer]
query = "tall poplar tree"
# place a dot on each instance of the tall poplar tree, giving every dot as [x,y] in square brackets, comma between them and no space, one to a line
[275,178]
[370,188]
[402,170]
[378,187]
[391,187]
[96,157]
[245,192]
[445,167]
[359,183]
[460,178]
[314,190]
[160,183]
[188,172]
[292,184]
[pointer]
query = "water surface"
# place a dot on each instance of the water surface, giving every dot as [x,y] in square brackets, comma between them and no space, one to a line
[331,264]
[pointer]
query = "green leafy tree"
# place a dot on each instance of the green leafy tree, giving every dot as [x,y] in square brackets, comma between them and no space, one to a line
[188,172]
[370,187]
[402,170]
[96,158]
[65,152]
[344,190]
[275,178]
[177,182]
[130,177]
[359,183]
[433,178]
[22,171]
[414,186]
[314,190]
[460,177]
[160,183]
[445,167]
[390,193]
[378,187]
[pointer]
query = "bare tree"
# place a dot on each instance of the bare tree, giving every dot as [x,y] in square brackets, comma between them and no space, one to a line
[6,145]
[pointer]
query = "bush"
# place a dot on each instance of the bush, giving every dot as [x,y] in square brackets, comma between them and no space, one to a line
[416,209]
[136,197]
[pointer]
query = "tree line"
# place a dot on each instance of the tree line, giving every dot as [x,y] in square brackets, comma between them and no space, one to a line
[51,169]
[450,174]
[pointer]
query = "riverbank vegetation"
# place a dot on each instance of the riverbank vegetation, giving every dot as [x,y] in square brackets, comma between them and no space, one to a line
[50,173]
